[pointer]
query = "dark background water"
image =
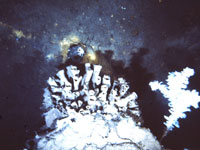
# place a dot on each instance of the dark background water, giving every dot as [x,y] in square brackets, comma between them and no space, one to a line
[151,38]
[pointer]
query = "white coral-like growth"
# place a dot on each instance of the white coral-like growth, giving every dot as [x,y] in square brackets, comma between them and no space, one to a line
[92,112]
[180,99]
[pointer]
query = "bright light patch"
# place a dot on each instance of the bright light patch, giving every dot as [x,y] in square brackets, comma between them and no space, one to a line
[92,56]
[50,57]
[180,99]
[65,44]
[18,33]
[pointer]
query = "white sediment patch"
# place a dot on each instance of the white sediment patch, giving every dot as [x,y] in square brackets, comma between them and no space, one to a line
[180,99]
[92,113]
